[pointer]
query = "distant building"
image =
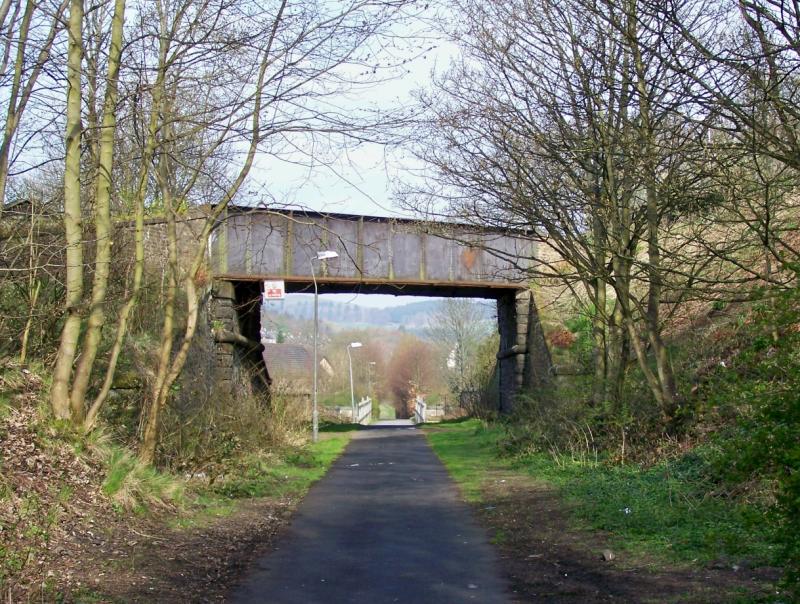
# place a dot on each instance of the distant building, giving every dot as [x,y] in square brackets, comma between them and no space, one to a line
[292,365]
[288,363]
[451,359]
[326,367]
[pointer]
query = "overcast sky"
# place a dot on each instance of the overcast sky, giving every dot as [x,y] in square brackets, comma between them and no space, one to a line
[360,181]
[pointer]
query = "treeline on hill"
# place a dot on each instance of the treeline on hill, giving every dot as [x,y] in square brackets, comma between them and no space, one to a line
[651,148]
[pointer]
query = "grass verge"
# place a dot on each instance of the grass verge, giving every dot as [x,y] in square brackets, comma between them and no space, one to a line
[285,474]
[289,473]
[387,411]
[669,510]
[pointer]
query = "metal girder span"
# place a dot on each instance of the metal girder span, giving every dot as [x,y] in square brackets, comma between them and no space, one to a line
[259,244]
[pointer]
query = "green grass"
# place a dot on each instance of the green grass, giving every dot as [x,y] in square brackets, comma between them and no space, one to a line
[468,449]
[338,399]
[204,507]
[288,474]
[5,404]
[132,485]
[387,411]
[668,509]
[434,398]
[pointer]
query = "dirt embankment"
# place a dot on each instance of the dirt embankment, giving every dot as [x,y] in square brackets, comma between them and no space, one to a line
[61,539]
[548,559]
[147,561]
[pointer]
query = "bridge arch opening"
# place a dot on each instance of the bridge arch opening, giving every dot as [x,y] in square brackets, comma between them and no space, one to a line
[408,348]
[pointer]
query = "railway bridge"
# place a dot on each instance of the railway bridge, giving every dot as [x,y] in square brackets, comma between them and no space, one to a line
[375,255]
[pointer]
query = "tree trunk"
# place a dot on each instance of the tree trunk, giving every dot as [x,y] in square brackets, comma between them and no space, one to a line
[599,341]
[103,228]
[138,269]
[33,292]
[34,285]
[599,322]
[651,378]
[158,396]
[169,372]
[20,94]
[59,394]
[619,352]
[666,378]
[12,114]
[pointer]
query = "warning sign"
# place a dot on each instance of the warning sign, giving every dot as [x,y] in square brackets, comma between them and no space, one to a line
[274,290]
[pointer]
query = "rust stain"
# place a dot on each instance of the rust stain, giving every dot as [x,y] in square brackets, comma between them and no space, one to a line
[469,257]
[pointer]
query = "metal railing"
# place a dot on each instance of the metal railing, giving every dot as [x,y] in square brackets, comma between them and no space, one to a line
[424,412]
[344,413]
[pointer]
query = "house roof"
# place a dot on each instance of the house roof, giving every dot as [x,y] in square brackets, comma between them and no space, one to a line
[288,362]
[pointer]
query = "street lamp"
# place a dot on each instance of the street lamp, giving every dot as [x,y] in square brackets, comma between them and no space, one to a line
[352,392]
[321,256]
[370,365]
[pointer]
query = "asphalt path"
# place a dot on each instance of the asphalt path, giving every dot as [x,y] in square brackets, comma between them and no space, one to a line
[384,525]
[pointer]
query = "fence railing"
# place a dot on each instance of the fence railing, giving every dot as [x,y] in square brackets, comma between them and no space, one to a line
[344,413]
[364,411]
[423,412]
[434,413]
[420,411]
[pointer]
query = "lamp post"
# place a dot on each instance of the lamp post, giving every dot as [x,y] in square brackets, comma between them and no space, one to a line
[321,256]
[376,410]
[370,365]
[352,392]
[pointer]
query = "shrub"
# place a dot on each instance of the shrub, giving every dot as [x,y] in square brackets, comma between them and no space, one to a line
[561,338]
[763,381]
[203,437]
[133,485]
[582,347]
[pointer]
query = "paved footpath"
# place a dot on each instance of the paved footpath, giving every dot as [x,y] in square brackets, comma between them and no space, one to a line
[384,525]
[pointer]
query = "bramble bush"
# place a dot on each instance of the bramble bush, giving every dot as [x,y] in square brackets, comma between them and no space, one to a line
[763,383]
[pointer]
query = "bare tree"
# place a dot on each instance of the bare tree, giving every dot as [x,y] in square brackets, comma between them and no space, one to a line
[30,30]
[69,389]
[741,57]
[102,219]
[458,328]
[283,74]
[208,86]
[73,222]
[411,370]
[561,121]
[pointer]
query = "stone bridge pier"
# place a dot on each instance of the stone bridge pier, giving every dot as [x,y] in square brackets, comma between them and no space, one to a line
[523,361]
[234,315]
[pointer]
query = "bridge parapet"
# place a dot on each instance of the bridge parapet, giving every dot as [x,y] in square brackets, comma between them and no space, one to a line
[265,244]
[345,412]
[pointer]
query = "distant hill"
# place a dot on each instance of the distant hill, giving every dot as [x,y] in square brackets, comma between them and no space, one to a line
[410,317]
